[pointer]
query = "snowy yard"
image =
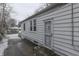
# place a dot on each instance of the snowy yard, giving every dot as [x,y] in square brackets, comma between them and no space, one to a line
[4,42]
[3,46]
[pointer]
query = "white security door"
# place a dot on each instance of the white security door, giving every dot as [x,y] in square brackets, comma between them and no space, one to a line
[48,35]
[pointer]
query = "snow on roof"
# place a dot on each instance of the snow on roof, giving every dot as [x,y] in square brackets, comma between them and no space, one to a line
[44,10]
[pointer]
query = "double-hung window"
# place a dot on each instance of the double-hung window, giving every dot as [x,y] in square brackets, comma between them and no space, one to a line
[33,25]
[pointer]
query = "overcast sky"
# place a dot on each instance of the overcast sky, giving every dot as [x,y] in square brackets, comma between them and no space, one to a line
[23,10]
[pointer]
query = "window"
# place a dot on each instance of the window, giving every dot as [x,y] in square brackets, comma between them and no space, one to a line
[30,25]
[33,25]
[24,26]
[34,21]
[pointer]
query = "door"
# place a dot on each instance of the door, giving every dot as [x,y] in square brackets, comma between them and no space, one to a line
[48,34]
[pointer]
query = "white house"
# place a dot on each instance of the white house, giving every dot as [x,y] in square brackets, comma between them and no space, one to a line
[55,27]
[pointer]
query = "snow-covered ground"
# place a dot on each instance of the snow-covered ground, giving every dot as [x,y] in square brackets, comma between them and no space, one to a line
[3,46]
[4,42]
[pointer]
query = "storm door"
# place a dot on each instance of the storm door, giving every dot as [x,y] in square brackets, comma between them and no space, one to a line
[48,35]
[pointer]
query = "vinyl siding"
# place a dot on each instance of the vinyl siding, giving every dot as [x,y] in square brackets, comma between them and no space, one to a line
[63,31]
[37,35]
[76,24]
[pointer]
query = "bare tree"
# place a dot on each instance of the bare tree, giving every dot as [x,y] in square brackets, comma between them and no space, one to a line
[11,22]
[4,15]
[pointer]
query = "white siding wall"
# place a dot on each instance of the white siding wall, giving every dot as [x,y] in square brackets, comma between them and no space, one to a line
[37,35]
[63,31]
[76,25]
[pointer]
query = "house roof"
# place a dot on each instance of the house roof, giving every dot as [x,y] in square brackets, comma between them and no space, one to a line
[53,5]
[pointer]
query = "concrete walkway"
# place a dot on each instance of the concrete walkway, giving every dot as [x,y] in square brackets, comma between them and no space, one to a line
[18,47]
[3,46]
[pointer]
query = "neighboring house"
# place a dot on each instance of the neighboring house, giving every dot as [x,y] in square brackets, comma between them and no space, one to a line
[55,27]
